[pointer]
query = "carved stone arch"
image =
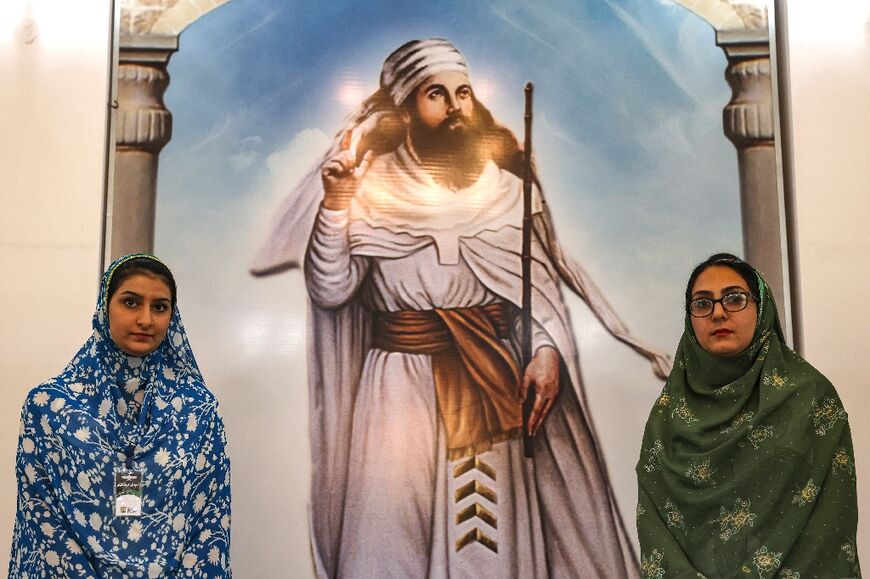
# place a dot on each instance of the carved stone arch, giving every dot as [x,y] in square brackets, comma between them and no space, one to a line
[162,17]
[182,14]
[728,14]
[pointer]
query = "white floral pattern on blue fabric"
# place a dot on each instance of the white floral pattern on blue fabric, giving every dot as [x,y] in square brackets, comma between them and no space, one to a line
[74,430]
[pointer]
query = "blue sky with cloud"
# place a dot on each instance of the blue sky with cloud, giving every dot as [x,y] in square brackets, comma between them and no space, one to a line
[628,139]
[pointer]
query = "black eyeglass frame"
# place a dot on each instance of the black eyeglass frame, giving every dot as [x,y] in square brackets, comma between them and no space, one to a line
[721,303]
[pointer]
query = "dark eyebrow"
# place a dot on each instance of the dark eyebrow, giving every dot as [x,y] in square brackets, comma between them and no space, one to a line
[725,291]
[132,294]
[432,87]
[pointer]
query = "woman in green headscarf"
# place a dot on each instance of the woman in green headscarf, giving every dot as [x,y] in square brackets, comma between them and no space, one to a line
[746,467]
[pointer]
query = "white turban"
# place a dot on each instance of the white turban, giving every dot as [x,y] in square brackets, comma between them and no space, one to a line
[415,61]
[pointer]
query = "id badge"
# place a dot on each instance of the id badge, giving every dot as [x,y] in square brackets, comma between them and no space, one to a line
[128,492]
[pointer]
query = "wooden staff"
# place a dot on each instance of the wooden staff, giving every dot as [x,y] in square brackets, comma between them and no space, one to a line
[526,257]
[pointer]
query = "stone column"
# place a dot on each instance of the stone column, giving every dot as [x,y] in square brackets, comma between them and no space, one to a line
[143,126]
[748,120]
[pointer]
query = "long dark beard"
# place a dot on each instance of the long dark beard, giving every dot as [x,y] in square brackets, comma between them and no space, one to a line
[454,156]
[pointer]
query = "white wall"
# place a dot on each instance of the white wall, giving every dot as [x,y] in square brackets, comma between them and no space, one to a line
[53,124]
[829,50]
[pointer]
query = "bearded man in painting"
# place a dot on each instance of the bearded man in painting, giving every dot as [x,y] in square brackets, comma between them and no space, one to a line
[412,269]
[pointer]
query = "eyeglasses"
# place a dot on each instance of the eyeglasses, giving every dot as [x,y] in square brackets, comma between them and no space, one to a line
[733,302]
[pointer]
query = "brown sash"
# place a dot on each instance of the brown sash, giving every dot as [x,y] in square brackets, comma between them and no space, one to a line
[476,378]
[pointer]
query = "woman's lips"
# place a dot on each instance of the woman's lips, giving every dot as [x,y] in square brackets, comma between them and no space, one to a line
[722,333]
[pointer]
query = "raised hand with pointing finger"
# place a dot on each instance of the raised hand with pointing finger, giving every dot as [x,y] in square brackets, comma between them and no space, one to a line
[342,177]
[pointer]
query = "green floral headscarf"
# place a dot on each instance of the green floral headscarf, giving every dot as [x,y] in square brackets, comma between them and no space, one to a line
[746,467]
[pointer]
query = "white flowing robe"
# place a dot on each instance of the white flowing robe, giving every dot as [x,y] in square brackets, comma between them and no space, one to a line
[384,495]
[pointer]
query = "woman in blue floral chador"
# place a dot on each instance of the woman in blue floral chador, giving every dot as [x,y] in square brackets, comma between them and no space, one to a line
[121,466]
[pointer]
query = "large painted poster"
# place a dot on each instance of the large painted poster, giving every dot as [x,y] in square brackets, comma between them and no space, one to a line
[639,183]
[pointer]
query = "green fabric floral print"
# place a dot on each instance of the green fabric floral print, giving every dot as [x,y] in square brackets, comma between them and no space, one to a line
[747,467]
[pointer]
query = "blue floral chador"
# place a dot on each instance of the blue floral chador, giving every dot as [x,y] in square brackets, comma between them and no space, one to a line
[106,411]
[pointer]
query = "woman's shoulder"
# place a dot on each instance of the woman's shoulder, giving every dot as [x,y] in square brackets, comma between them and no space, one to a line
[43,395]
[46,401]
[194,391]
[810,380]
[195,394]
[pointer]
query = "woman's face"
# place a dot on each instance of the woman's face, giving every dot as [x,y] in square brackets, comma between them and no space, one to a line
[723,333]
[139,314]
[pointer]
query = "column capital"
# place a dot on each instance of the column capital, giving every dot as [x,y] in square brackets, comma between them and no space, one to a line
[143,122]
[146,49]
[748,117]
[744,43]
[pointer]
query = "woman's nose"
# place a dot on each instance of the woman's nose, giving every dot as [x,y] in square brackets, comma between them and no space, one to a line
[145,317]
[719,312]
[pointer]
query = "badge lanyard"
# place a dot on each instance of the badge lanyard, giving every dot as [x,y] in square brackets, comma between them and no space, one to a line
[128,486]
[129,479]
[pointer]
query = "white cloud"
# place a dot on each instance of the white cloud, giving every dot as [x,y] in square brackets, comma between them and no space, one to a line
[242,160]
[247,153]
[289,165]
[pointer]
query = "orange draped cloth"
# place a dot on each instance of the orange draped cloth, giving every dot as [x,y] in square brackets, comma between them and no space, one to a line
[476,377]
